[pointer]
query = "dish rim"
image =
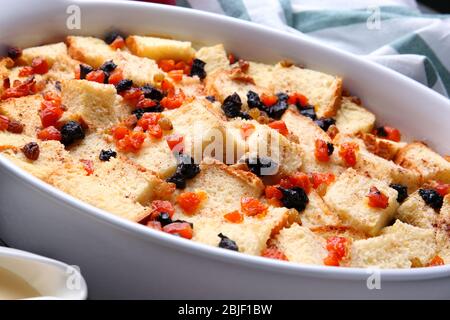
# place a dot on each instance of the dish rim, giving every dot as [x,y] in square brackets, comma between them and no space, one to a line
[227,256]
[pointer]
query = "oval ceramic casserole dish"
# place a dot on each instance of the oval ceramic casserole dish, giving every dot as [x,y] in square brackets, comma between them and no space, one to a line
[121,259]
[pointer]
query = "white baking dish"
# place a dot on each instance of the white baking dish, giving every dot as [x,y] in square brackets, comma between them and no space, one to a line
[120,259]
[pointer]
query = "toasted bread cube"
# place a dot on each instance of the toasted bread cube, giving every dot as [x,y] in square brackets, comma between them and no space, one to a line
[90,50]
[307,132]
[352,118]
[327,231]
[251,235]
[51,154]
[159,48]
[262,74]
[429,164]
[192,88]
[201,128]
[443,230]
[399,246]
[348,198]
[51,53]
[92,103]
[25,110]
[317,213]
[156,156]
[117,186]
[224,187]
[90,147]
[383,148]
[141,70]
[416,212]
[215,58]
[301,245]
[322,90]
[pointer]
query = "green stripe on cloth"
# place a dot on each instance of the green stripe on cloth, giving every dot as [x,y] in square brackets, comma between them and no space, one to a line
[234,8]
[183,3]
[414,44]
[430,72]
[287,10]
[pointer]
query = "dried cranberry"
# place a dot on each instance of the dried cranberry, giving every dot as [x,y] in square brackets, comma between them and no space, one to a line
[330,148]
[432,198]
[15,126]
[227,243]
[84,70]
[254,101]
[112,35]
[308,112]
[151,92]
[401,190]
[31,151]
[232,105]
[70,132]
[14,52]
[123,85]
[295,198]
[325,123]
[105,155]
[261,165]
[278,109]
[198,68]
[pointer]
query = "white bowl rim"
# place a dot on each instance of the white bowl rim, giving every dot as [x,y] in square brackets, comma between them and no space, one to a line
[228,256]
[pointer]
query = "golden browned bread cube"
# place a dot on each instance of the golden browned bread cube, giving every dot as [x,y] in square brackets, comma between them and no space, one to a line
[158,48]
[416,212]
[51,53]
[317,213]
[429,164]
[215,58]
[90,50]
[399,246]
[348,198]
[352,118]
[25,110]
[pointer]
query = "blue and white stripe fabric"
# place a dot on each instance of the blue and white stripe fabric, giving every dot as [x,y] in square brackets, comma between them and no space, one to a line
[394,33]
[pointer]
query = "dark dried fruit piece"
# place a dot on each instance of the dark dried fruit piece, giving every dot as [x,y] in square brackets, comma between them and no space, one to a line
[261,166]
[31,151]
[211,98]
[308,112]
[198,68]
[70,132]
[401,190]
[15,126]
[164,219]
[105,155]
[294,198]
[325,123]
[186,169]
[330,148]
[254,101]
[108,66]
[381,132]
[227,243]
[278,109]
[151,92]
[245,115]
[432,198]
[124,85]
[232,105]
[112,35]
[84,70]
[140,111]
[14,52]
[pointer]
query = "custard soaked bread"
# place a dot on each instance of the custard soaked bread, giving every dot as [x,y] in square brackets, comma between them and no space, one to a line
[271,160]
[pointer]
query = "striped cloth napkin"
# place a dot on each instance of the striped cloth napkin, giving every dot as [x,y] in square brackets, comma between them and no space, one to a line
[391,32]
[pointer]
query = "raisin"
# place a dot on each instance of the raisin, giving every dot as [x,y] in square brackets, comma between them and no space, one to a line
[58,85]
[330,148]
[227,243]
[325,123]
[14,52]
[232,105]
[432,198]
[261,165]
[15,126]
[253,100]
[245,115]
[198,68]
[211,98]
[402,191]
[140,111]
[124,85]
[105,155]
[294,198]
[31,151]
[70,132]
[183,221]
[308,112]
[381,132]
[84,70]
[164,219]
[278,109]
[151,92]
[112,35]
[186,169]
[108,67]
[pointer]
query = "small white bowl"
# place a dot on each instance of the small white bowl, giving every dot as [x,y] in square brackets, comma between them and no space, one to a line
[51,278]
